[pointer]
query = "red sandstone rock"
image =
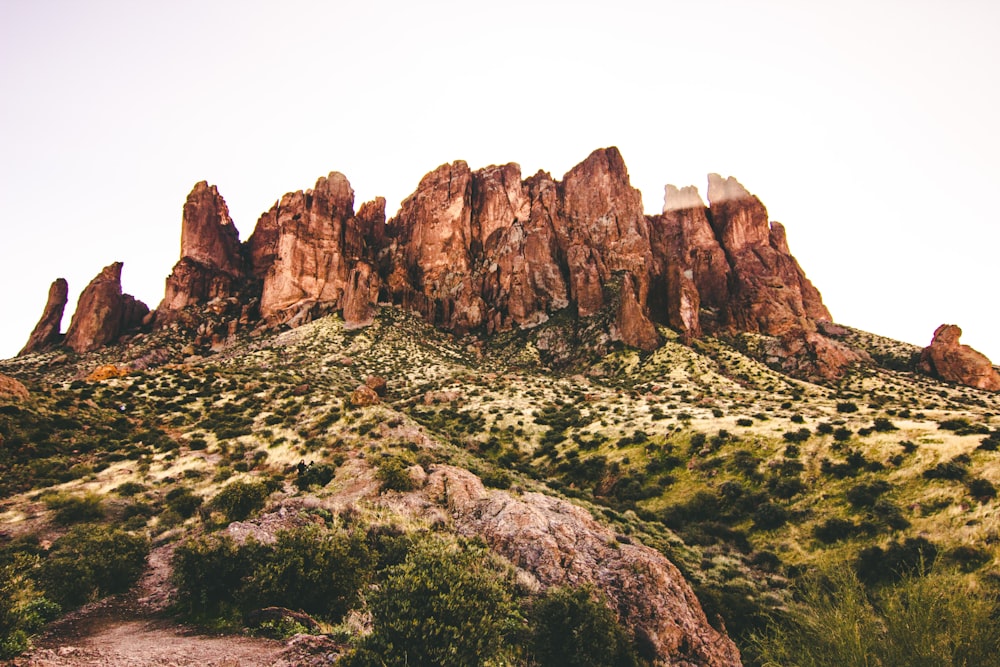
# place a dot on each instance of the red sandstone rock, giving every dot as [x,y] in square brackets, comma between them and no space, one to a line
[947,359]
[561,544]
[103,313]
[363,396]
[12,390]
[46,333]
[308,246]
[210,263]
[769,292]
[360,296]
[487,249]
[208,235]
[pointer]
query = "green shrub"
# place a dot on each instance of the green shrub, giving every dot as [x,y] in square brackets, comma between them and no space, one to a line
[930,620]
[68,509]
[847,407]
[128,489]
[90,562]
[865,494]
[183,501]
[574,627]
[238,500]
[446,605]
[834,529]
[393,475]
[898,559]
[883,425]
[315,570]
[318,474]
[311,569]
[982,489]
[23,610]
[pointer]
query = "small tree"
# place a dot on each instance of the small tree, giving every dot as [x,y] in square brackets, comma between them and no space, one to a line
[573,627]
[446,605]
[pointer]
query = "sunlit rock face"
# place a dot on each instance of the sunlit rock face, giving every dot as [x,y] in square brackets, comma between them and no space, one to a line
[488,250]
[306,246]
[211,262]
[559,544]
[103,313]
[945,358]
[46,333]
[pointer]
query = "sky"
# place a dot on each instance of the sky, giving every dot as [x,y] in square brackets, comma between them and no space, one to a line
[868,128]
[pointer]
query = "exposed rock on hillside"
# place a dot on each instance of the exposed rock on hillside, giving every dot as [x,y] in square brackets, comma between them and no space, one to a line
[47,332]
[103,313]
[307,248]
[769,291]
[560,543]
[487,251]
[12,390]
[947,359]
[210,262]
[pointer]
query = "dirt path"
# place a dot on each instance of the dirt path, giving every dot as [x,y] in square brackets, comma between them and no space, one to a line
[132,630]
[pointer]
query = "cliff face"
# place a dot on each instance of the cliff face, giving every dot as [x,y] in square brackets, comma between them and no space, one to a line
[103,312]
[488,250]
[211,262]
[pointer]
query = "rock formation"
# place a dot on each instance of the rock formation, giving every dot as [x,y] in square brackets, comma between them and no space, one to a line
[561,544]
[487,250]
[946,359]
[46,333]
[12,390]
[307,247]
[210,262]
[769,292]
[103,313]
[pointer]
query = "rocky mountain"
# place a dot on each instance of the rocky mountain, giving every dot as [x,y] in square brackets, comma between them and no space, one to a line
[647,423]
[488,251]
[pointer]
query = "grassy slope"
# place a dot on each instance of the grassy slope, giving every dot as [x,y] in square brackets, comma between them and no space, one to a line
[645,441]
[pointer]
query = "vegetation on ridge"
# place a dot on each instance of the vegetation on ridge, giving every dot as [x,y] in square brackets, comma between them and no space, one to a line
[748,480]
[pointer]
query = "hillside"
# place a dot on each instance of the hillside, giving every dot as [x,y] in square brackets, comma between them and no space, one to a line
[518,423]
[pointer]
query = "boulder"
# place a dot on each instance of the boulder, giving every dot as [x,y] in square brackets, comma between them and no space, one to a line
[363,396]
[946,359]
[558,544]
[46,333]
[12,390]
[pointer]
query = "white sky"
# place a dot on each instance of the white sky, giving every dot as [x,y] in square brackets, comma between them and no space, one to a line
[868,128]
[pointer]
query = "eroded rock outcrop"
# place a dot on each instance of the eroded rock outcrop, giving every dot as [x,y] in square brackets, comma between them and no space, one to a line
[103,312]
[211,263]
[945,358]
[307,248]
[46,333]
[561,544]
[488,249]
[12,390]
[769,292]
